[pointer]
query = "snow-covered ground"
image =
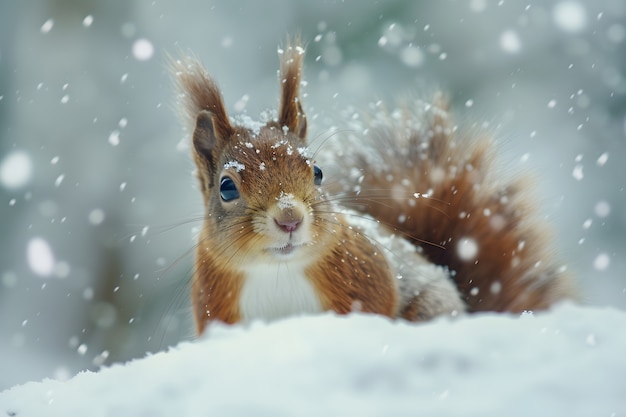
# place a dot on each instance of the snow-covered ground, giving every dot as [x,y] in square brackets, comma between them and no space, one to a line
[567,362]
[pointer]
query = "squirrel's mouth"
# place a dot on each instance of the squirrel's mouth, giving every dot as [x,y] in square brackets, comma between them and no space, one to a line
[288,249]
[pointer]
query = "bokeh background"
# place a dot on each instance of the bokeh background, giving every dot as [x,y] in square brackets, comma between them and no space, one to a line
[98,205]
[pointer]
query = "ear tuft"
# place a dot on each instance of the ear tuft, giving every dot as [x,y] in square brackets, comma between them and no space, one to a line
[290,113]
[204,111]
[198,92]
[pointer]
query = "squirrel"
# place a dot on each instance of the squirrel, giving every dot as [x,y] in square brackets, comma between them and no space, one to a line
[417,225]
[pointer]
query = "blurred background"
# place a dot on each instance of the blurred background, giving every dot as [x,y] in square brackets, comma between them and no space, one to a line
[98,205]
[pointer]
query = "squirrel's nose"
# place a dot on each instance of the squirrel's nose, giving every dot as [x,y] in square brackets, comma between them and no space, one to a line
[288,226]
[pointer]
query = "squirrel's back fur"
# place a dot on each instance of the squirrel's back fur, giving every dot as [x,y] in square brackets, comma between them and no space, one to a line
[270,222]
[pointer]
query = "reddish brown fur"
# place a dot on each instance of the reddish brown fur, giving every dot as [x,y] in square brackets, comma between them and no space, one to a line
[214,297]
[201,93]
[290,113]
[354,275]
[515,268]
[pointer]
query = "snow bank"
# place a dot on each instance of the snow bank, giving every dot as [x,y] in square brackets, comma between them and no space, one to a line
[568,362]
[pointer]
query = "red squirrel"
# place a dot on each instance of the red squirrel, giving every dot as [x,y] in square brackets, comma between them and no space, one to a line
[416,225]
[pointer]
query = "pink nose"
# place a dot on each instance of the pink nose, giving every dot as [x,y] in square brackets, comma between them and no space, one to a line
[288,226]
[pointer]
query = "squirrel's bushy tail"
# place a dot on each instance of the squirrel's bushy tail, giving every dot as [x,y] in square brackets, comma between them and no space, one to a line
[437,185]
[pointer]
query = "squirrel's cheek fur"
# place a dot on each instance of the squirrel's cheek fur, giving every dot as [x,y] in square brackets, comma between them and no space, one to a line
[435,228]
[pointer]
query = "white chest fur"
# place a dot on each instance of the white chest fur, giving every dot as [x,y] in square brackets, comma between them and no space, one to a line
[275,290]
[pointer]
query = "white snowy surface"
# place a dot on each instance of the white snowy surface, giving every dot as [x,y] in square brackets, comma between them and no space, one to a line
[567,362]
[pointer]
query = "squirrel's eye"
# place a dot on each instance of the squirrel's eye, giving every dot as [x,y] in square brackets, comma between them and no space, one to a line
[317,172]
[228,190]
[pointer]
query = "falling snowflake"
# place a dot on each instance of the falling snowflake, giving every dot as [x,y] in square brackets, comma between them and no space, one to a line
[602,262]
[15,170]
[40,257]
[467,249]
[143,49]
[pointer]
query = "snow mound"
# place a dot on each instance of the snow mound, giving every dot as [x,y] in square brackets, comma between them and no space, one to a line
[567,362]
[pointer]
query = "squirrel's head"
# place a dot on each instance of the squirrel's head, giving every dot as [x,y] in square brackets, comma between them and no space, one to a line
[260,186]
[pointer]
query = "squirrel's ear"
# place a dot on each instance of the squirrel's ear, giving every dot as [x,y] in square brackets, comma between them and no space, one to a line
[203,108]
[291,114]
[205,140]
